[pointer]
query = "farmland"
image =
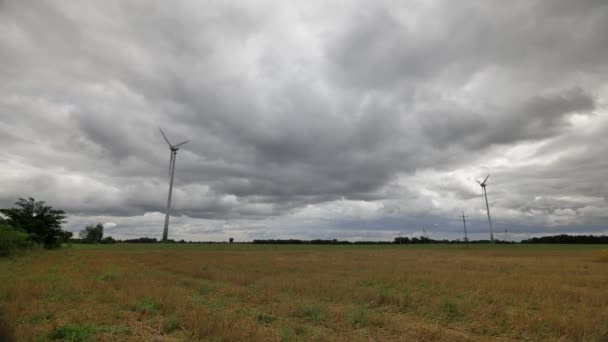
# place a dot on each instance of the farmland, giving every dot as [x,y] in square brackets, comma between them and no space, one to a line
[223,292]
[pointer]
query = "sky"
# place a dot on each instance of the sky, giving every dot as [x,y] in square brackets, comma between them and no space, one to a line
[354,120]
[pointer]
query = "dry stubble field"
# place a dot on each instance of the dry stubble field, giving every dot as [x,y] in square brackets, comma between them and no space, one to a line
[307,293]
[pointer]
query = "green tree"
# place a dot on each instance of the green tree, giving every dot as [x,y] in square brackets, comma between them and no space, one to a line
[92,234]
[41,222]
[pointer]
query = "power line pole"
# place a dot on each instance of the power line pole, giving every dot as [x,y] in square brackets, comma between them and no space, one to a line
[464,223]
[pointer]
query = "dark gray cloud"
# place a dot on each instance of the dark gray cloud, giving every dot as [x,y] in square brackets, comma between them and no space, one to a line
[307,120]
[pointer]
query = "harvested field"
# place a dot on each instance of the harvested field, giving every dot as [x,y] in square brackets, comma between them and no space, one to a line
[310,293]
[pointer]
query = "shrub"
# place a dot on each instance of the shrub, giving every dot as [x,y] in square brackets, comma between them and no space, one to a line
[108,240]
[12,240]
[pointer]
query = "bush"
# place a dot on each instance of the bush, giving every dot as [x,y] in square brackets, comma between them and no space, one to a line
[108,240]
[12,240]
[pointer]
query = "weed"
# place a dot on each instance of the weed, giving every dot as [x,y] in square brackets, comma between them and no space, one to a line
[58,295]
[42,317]
[383,295]
[147,305]
[357,317]
[286,334]
[115,329]
[72,332]
[312,313]
[265,319]
[170,324]
[109,273]
[403,300]
[449,309]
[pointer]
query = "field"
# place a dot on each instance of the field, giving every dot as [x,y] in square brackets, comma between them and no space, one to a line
[307,293]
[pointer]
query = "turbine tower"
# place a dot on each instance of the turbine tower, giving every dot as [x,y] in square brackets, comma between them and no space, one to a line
[464,223]
[485,194]
[173,149]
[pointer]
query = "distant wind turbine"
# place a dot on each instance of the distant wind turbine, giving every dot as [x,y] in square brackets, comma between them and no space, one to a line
[485,194]
[464,223]
[173,149]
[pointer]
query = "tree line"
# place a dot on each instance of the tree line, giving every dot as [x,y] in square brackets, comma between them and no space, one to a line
[569,239]
[397,240]
[30,223]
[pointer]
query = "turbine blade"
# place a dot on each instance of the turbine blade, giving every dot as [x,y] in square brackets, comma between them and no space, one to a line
[182,143]
[484,181]
[164,136]
[478,181]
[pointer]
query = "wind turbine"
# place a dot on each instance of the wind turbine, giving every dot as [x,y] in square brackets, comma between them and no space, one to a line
[485,194]
[464,223]
[173,149]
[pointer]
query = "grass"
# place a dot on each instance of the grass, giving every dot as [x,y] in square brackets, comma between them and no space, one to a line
[72,332]
[307,293]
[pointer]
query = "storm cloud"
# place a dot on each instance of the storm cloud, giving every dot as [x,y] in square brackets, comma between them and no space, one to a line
[351,120]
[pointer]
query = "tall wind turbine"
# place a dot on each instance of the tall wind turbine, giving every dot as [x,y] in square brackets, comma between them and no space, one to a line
[173,149]
[485,194]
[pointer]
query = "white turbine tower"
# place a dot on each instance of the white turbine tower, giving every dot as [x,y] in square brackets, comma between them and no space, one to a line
[485,194]
[173,149]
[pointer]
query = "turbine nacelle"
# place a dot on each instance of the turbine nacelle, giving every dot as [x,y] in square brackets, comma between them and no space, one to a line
[483,184]
[171,146]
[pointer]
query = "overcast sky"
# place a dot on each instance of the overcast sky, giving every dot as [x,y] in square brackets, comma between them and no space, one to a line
[308,119]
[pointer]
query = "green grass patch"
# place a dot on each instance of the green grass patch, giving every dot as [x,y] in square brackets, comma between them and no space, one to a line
[72,333]
[43,317]
[357,317]
[287,334]
[148,305]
